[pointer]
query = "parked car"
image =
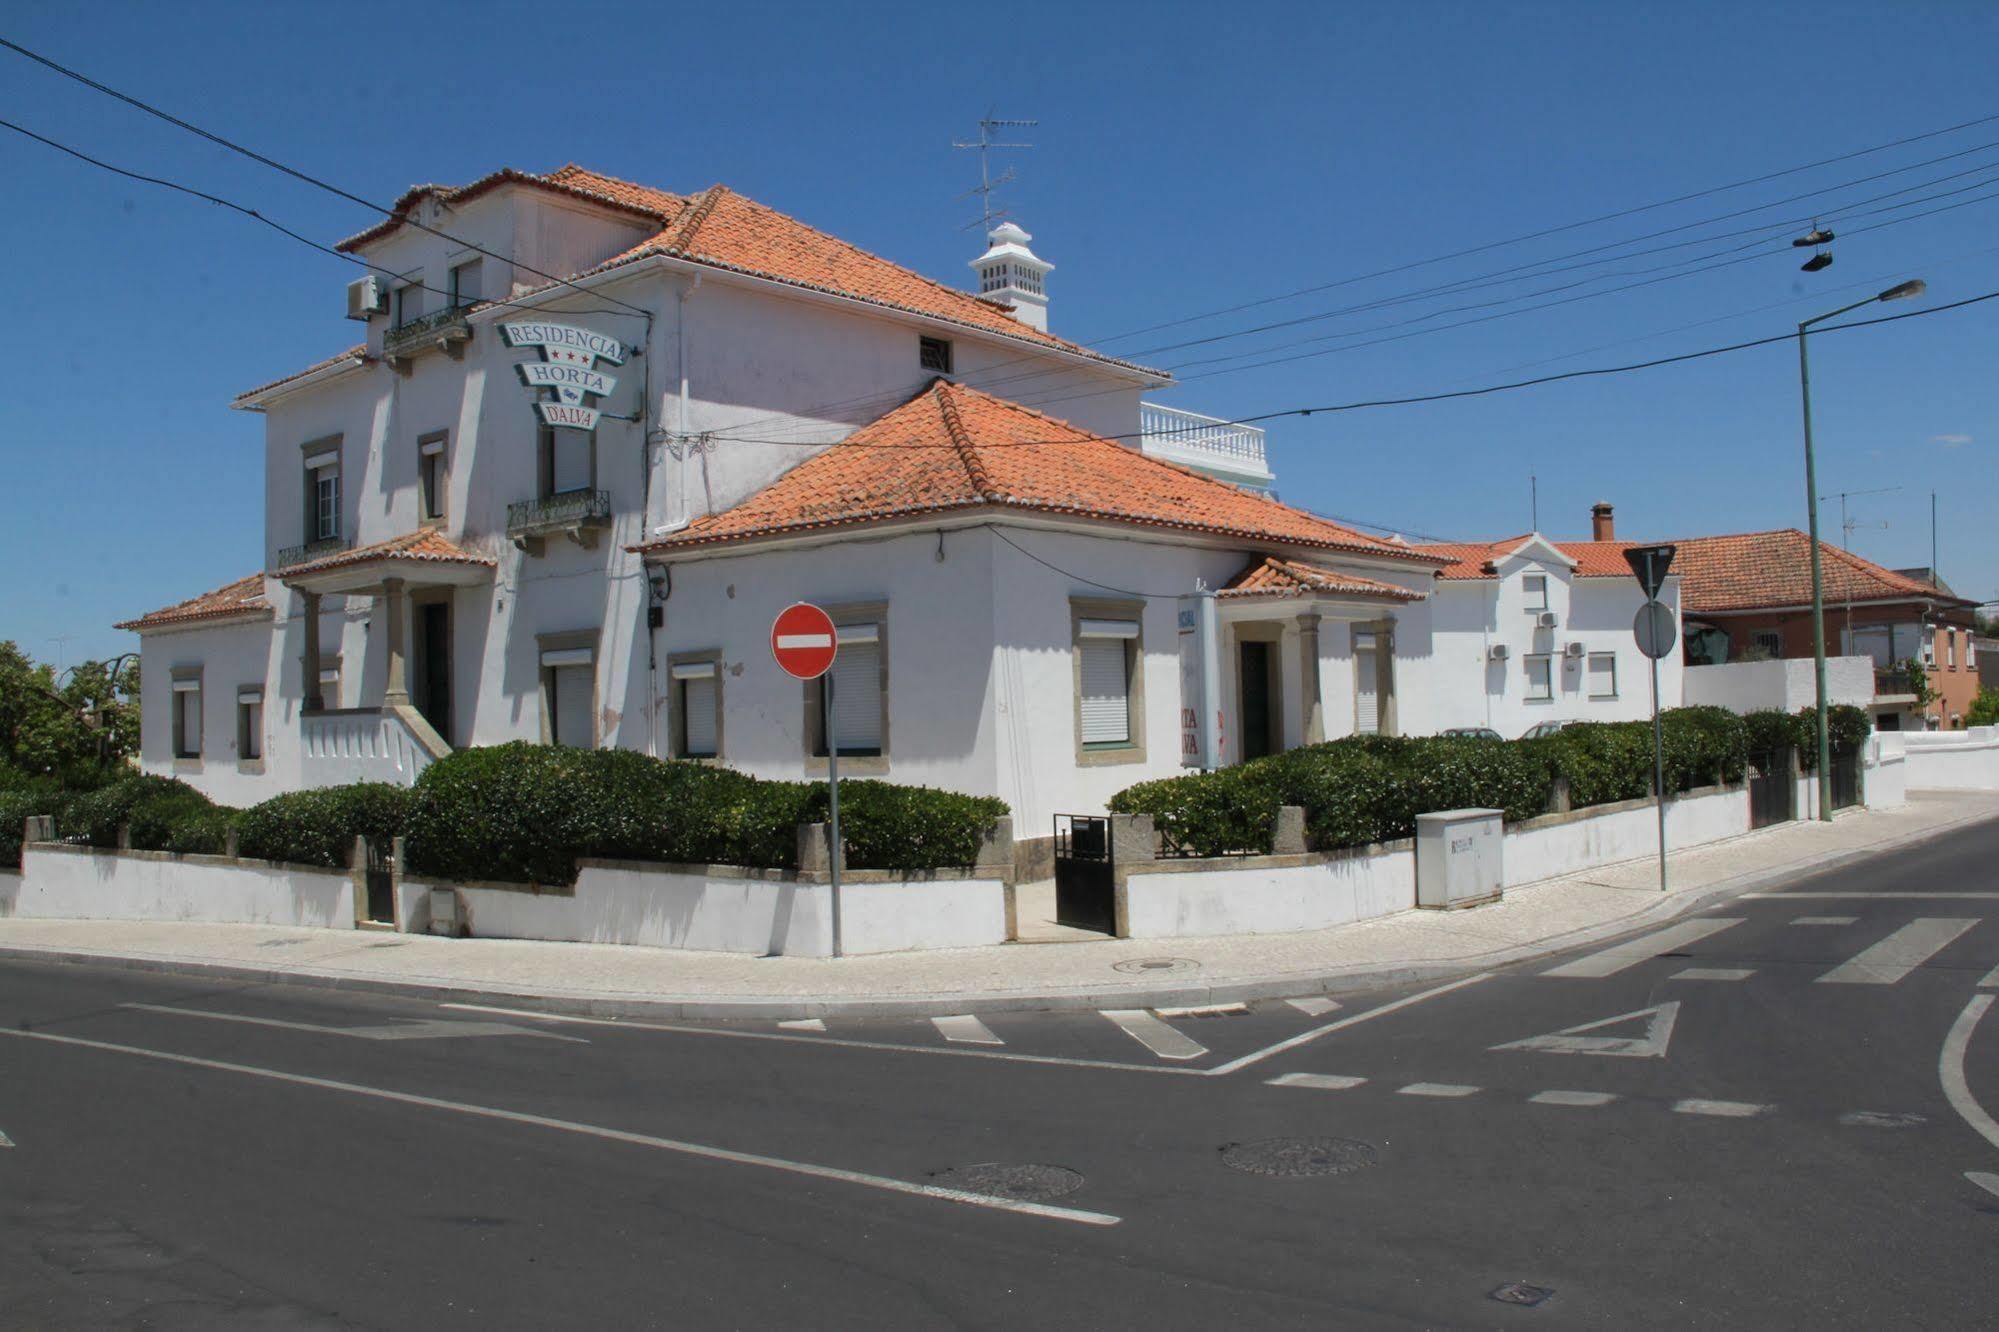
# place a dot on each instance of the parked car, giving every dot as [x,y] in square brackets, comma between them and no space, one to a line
[1541,730]
[1474,733]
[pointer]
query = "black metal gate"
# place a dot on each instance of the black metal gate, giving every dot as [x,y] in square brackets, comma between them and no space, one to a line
[1845,778]
[381,883]
[1771,789]
[1085,873]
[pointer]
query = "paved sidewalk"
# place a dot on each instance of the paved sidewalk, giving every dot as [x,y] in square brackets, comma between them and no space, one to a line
[610,979]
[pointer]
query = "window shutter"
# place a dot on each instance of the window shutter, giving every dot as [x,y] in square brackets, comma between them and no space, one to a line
[573,703]
[1366,685]
[857,696]
[697,709]
[1602,675]
[1106,692]
[572,460]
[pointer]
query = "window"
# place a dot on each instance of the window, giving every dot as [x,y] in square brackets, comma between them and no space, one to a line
[569,688]
[697,706]
[934,354]
[1535,587]
[322,491]
[250,723]
[1770,643]
[1540,678]
[1106,651]
[431,477]
[465,283]
[1367,682]
[568,461]
[857,690]
[409,303]
[1950,647]
[1886,643]
[1603,675]
[187,712]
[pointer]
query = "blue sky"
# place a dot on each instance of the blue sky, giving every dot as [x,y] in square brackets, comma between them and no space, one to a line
[1188,158]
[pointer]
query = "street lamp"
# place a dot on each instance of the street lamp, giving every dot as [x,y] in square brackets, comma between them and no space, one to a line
[1899,292]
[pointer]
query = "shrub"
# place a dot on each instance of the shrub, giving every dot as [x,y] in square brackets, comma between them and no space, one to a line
[892,827]
[18,804]
[1769,729]
[1703,745]
[319,827]
[1602,761]
[154,807]
[1231,811]
[1460,772]
[1984,709]
[1847,728]
[1343,787]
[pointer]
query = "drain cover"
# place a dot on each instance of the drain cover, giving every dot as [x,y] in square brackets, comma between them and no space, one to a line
[1519,1292]
[1156,966]
[1886,1119]
[1298,1157]
[1021,1183]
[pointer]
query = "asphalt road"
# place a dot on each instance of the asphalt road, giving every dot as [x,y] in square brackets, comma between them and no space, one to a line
[1775,1113]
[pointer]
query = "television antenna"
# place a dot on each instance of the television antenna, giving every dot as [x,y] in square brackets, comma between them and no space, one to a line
[1847,526]
[990,128]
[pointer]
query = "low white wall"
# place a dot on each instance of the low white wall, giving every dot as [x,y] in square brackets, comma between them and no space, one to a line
[1558,844]
[81,883]
[1170,900]
[724,910]
[1884,778]
[1785,683]
[1965,760]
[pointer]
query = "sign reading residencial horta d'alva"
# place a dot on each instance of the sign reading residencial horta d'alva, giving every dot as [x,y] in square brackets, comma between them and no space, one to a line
[567,368]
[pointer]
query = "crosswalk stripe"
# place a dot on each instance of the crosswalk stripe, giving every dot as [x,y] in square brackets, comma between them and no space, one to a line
[1900,953]
[1317,1081]
[1572,1098]
[1712,974]
[1444,1089]
[1721,1109]
[965,1029]
[1631,952]
[1825,920]
[804,1024]
[1314,1005]
[1155,1035]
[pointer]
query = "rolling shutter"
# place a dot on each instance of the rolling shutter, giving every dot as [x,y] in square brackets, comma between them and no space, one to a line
[574,701]
[1602,675]
[1106,702]
[570,467]
[1366,686]
[857,690]
[697,709]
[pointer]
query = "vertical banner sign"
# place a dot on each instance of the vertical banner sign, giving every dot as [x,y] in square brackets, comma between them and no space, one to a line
[567,370]
[804,643]
[1654,631]
[1200,693]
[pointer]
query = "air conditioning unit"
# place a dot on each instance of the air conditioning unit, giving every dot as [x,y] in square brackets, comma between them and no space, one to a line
[1547,620]
[1497,652]
[1573,650]
[367,296]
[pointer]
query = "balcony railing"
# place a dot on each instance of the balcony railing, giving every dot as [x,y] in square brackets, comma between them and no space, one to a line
[446,328]
[1221,448]
[577,514]
[311,550]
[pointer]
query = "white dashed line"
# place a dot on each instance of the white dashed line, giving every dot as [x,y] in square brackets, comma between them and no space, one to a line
[1572,1098]
[1711,974]
[803,1024]
[1155,1035]
[1991,981]
[1721,1109]
[1314,1005]
[1900,953]
[1316,1081]
[1440,1089]
[966,1030]
[1825,920]
[1631,952]
[1990,1183]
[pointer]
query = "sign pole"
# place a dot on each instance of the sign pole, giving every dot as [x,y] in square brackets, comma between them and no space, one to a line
[805,641]
[833,804]
[1655,633]
[1659,772]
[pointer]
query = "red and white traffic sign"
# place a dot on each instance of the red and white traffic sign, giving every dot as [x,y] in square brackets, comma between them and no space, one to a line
[803,641]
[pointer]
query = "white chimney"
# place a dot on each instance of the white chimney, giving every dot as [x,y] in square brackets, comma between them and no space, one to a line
[1014,275]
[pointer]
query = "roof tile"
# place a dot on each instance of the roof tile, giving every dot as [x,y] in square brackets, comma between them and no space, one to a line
[243,597]
[426,544]
[1272,577]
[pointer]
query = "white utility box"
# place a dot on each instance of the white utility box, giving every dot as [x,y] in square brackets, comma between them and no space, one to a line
[1459,857]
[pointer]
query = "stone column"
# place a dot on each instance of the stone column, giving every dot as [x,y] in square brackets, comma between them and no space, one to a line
[396,690]
[1308,675]
[314,699]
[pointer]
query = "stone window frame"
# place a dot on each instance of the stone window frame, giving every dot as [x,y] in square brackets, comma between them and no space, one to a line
[1527,660]
[179,678]
[308,452]
[1109,608]
[569,640]
[677,704]
[1589,663]
[1387,711]
[545,461]
[435,443]
[250,737]
[853,765]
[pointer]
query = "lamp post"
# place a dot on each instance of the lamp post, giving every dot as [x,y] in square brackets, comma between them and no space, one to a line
[1902,291]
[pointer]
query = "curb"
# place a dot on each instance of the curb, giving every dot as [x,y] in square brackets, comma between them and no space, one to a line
[1332,981]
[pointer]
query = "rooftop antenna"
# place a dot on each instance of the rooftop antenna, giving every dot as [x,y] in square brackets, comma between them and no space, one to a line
[1847,525]
[989,126]
[1534,501]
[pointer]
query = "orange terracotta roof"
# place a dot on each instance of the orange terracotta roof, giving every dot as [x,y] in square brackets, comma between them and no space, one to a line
[427,545]
[243,597]
[1755,570]
[952,448]
[1272,577]
[571,180]
[1593,559]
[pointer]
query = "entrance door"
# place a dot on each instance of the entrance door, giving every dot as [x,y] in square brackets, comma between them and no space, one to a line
[433,666]
[1253,667]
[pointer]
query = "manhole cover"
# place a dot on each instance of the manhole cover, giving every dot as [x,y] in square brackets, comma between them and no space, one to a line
[1298,1157]
[1156,966]
[1021,1183]
[1519,1292]
[1886,1119]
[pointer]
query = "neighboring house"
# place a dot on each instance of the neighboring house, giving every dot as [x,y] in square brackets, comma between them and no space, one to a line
[1985,651]
[562,487]
[1748,597]
[1530,630]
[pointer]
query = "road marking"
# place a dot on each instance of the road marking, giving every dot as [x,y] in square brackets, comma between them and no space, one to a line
[1722,1109]
[1202,1010]
[1440,1089]
[1631,952]
[1712,974]
[6,1141]
[1155,1035]
[1898,954]
[1990,1183]
[431,1030]
[1911,895]
[1881,1119]
[1572,1098]
[1314,1005]
[803,1024]
[965,1029]
[1991,980]
[1379,1010]
[1825,920]
[1950,1069]
[1571,1040]
[882,1182]
[1316,1081]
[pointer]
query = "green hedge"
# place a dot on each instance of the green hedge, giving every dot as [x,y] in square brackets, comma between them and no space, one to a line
[1231,811]
[319,827]
[163,813]
[525,813]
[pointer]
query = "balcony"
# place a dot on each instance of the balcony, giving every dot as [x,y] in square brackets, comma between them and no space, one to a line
[292,556]
[576,514]
[442,330]
[1221,449]
[340,746]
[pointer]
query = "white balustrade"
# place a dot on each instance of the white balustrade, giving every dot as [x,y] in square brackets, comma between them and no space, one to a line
[1226,449]
[345,745]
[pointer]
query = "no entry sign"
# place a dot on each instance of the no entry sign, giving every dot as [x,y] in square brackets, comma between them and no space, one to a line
[803,641]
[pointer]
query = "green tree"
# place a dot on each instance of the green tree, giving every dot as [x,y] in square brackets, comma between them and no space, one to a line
[1984,709]
[79,728]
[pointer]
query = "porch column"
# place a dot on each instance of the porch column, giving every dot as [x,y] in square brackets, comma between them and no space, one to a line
[1384,660]
[314,699]
[396,690]
[1308,675]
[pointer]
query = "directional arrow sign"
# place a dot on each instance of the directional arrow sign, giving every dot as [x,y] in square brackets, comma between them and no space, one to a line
[1657,1035]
